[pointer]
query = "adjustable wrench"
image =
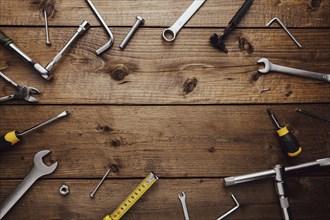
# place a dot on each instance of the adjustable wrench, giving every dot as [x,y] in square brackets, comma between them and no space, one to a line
[182,197]
[39,169]
[176,27]
[291,71]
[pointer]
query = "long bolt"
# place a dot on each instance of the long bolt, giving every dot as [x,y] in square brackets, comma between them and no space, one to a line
[139,21]
[46,28]
[100,183]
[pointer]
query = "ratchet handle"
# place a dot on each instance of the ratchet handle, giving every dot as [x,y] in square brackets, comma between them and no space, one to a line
[241,12]
[5,40]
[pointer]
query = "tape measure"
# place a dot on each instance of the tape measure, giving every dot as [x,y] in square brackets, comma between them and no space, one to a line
[132,198]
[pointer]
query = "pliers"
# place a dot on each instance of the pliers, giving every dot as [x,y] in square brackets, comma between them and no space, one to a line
[23,92]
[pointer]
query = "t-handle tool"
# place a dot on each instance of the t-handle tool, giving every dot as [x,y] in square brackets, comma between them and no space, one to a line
[39,169]
[287,140]
[108,44]
[13,137]
[170,33]
[45,72]
[278,173]
[270,67]
[23,92]
[217,41]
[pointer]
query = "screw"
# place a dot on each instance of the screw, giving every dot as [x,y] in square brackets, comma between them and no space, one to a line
[139,21]
[98,185]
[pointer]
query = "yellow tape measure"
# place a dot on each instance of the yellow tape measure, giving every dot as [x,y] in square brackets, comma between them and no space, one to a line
[132,198]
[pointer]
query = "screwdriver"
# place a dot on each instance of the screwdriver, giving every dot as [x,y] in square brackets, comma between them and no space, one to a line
[287,140]
[11,138]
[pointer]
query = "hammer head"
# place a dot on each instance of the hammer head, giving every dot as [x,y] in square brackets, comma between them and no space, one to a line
[218,42]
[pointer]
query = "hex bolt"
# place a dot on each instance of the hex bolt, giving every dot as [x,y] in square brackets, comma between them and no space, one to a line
[139,21]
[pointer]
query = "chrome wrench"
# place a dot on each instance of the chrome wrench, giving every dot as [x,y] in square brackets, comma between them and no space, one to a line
[39,169]
[182,196]
[291,71]
[176,27]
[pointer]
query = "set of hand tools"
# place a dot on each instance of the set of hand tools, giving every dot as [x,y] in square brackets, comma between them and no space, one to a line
[287,140]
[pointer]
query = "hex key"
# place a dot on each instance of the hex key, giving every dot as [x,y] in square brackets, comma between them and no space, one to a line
[108,44]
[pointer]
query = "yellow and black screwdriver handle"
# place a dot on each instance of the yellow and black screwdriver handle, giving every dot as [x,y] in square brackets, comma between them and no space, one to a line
[289,142]
[8,140]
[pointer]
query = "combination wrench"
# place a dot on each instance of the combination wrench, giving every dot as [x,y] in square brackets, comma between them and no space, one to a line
[182,197]
[269,67]
[39,169]
[176,27]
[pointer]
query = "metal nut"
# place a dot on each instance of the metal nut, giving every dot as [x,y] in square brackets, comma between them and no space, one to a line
[64,190]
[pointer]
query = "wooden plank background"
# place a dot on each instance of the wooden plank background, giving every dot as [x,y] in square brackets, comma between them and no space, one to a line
[186,111]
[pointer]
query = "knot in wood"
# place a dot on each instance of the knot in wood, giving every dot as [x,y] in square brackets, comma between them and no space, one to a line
[119,73]
[189,85]
[245,45]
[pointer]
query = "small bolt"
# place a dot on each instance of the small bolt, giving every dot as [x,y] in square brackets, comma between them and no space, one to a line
[139,21]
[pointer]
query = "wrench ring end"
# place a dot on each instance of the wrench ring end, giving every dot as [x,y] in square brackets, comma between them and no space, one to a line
[170,32]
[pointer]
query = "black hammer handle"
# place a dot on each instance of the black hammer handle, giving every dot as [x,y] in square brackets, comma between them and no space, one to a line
[241,12]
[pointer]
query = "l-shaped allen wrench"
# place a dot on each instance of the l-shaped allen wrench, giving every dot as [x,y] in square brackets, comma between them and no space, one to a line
[108,44]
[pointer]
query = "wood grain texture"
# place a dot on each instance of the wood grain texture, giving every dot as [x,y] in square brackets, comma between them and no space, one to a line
[152,72]
[186,111]
[206,199]
[305,13]
[173,141]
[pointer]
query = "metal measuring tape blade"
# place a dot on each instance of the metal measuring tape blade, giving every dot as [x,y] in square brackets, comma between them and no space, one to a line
[132,198]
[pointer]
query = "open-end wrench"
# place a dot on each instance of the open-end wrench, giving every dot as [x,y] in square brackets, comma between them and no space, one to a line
[176,27]
[39,169]
[182,197]
[269,67]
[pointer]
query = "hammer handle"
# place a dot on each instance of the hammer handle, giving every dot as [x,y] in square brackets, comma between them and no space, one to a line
[241,12]
[5,40]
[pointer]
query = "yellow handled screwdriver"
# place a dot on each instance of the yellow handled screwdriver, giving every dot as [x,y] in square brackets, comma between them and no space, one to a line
[287,140]
[11,138]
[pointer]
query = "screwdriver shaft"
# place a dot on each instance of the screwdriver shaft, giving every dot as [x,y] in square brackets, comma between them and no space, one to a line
[63,114]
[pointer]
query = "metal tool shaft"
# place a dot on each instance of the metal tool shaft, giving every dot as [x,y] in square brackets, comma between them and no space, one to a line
[100,183]
[46,28]
[286,30]
[108,44]
[82,28]
[314,115]
[63,114]
[270,173]
[231,210]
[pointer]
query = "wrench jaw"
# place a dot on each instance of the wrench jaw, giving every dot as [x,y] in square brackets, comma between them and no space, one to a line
[39,164]
[265,62]
[182,196]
